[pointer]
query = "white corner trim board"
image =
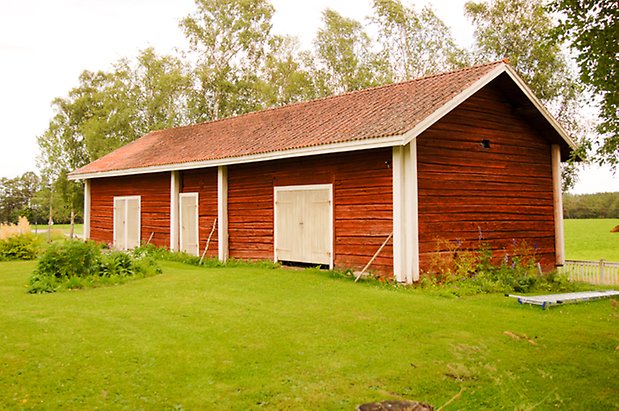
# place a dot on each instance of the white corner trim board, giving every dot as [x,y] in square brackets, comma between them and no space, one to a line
[222,213]
[405,214]
[87,207]
[174,210]
[557,205]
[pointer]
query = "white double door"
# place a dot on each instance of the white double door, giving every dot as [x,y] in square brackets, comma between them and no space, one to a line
[304,224]
[188,221]
[126,222]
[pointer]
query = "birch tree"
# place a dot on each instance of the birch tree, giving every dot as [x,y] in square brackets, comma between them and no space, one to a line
[414,43]
[228,39]
[344,56]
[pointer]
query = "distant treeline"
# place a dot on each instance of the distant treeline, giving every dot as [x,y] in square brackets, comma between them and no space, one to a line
[599,205]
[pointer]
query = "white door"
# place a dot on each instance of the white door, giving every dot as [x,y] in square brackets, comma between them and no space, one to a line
[188,203]
[126,222]
[304,224]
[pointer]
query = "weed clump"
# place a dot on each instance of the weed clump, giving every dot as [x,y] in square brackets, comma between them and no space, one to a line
[466,272]
[75,264]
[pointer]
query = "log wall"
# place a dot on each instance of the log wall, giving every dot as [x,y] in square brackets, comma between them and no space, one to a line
[469,194]
[362,192]
[154,190]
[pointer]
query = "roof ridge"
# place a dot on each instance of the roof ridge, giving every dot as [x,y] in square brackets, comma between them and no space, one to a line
[334,96]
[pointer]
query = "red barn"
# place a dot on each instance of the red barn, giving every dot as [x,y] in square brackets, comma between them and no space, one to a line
[450,157]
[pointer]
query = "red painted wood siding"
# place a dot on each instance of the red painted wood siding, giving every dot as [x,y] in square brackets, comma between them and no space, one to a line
[502,194]
[154,190]
[203,182]
[362,191]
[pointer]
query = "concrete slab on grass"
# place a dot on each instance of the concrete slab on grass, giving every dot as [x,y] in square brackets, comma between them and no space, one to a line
[555,299]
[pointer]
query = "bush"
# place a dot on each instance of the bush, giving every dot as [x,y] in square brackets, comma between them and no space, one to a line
[466,272]
[77,264]
[20,247]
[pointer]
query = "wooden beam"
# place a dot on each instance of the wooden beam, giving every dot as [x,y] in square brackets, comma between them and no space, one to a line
[222,213]
[174,217]
[412,213]
[87,207]
[397,165]
[558,205]
[405,213]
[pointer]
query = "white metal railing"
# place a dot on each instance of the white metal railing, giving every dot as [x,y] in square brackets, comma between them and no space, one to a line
[593,272]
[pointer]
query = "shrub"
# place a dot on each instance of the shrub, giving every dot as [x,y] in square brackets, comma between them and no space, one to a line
[465,272]
[20,247]
[77,264]
[17,241]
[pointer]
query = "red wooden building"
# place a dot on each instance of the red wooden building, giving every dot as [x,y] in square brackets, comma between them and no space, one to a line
[449,157]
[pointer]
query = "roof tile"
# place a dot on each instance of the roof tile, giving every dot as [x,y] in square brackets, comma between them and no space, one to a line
[376,112]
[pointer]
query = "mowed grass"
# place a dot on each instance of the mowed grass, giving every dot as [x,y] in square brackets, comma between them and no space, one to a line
[253,338]
[64,229]
[591,239]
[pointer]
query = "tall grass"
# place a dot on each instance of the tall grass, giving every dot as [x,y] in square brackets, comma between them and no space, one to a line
[10,230]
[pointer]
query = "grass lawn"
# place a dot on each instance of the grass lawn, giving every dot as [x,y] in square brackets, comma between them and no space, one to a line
[254,338]
[591,239]
[60,228]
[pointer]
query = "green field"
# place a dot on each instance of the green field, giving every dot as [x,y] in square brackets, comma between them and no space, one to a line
[591,239]
[59,228]
[255,338]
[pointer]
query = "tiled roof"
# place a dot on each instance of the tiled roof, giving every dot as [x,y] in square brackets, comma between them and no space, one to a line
[372,113]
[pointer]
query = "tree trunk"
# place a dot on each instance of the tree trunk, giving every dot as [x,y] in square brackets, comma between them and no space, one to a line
[72,231]
[50,220]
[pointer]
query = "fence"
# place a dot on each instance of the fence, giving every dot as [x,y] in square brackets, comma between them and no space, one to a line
[594,272]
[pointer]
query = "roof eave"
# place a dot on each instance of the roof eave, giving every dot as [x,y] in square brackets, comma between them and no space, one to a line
[478,85]
[365,144]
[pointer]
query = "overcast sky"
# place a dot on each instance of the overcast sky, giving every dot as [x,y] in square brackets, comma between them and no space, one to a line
[45,45]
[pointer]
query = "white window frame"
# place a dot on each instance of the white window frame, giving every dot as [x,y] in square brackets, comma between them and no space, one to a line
[180,220]
[125,198]
[277,189]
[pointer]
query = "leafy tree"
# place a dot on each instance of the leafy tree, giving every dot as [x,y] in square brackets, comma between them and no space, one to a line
[599,205]
[288,76]
[522,31]
[228,38]
[160,86]
[105,111]
[16,197]
[344,56]
[414,44]
[592,28]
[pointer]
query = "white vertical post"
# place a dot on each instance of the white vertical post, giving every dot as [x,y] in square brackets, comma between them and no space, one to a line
[175,185]
[86,209]
[222,213]
[412,213]
[405,214]
[399,246]
[558,205]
